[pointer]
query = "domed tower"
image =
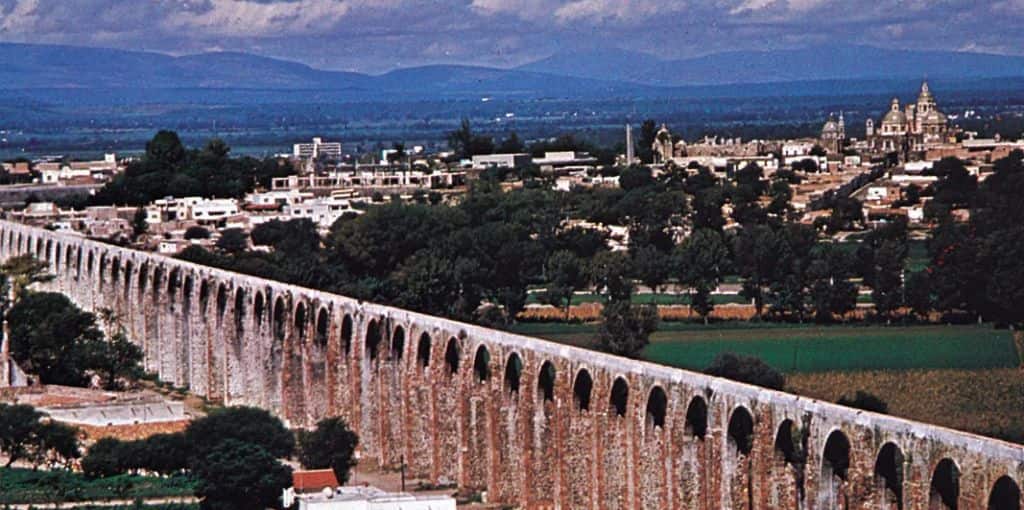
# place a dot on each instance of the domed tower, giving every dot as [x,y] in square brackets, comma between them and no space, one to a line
[925,106]
[895,121]
[662,148]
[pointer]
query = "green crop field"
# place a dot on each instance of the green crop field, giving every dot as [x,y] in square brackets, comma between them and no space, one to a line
[30,486]
[808,348]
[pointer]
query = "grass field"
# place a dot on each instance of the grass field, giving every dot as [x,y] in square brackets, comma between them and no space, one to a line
[986,402]
[807,348]
[28,486]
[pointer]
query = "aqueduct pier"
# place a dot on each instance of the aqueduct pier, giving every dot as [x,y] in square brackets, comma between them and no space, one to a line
[534,423]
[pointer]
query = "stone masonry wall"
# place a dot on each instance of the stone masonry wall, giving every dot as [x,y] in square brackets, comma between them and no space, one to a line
[508,414]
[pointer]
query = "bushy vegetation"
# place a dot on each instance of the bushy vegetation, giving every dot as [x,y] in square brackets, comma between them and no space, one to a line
[330,445]
[26,436]
[31,486]
[232,453]
[55,340]
[746,369]
[168,168]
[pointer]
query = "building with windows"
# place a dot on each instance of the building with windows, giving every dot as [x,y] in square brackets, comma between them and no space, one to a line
[317,149]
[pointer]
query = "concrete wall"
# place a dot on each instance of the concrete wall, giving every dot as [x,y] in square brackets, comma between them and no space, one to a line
[535,423]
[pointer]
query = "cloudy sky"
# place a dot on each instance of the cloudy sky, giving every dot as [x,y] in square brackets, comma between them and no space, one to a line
[377,35]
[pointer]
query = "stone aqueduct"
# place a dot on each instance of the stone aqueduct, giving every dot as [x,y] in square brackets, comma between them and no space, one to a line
[534,423]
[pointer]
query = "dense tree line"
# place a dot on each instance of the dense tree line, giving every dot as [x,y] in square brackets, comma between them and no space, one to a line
[233,453]
[168,168]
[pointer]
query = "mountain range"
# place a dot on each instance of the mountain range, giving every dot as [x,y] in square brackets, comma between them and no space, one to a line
[572,73]
[829,62]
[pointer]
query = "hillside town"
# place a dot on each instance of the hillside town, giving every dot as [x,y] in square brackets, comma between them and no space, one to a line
[888,173]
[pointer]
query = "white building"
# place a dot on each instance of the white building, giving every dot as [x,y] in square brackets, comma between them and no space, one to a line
[367,498]
[98,170]
[323,211]
[502,161]
[317,149]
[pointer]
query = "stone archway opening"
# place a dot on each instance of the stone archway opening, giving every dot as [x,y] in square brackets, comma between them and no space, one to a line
[697,418]
[258,309]
[944,491]
[451,357]
[618,402]
[482,364]
[513,373]
[300,321]
[1005,495]
[222,305]
[398,344]
[323,321]
[423,350]
[373,339]
[657,408]
[889,476]
[239,313]
[835,465]
[279,324]
[790,447]
[346,334]
[581,390]
[741,431]
[546,382]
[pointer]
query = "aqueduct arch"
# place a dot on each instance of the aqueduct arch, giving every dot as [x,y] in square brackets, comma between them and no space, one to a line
[532,422]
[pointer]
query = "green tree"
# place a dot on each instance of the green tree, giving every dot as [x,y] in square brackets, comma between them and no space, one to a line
[56,443]
[881,258]
[831,291]
[197,232]
[19,424]
[53,338]
[756,248]
[165,148]
[652,267]
[236,475]
[233,241]
[565,274]
[645,142]
[701,262]
[625,329]
[139,224]
[116,360]
[746,369]
[331,445]
[609,272]
[245,424]
[847,214]
[511,144]
[919,294]
[20,273]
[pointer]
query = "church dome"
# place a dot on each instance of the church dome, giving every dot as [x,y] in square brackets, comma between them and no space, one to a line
[830,127]
[934,117]
[894,117]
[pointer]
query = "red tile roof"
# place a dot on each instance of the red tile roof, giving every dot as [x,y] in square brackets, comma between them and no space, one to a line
[313,480]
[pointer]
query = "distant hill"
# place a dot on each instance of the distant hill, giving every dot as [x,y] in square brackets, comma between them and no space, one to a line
[583,74]
[829,62]
[31,66]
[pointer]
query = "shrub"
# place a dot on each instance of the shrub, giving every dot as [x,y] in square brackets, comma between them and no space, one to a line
[330,445]
[746,369]
[864,400]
